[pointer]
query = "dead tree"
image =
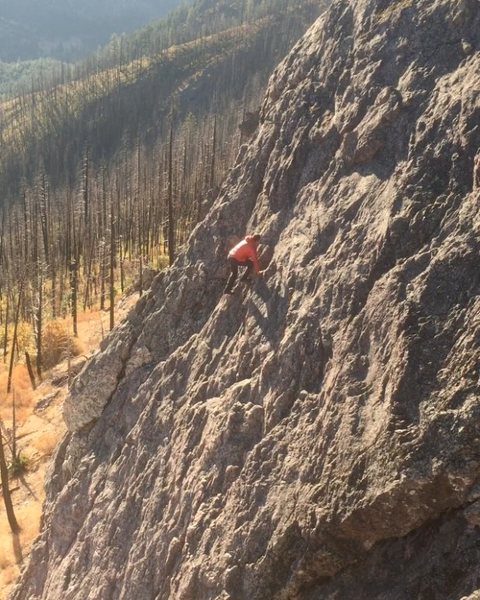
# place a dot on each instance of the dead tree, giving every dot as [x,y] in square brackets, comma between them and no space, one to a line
[14,340]
[39,322]
[112,265]
[171,223]
[7,498]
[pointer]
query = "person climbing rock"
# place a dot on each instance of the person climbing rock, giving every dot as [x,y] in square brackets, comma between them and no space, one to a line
[244,254]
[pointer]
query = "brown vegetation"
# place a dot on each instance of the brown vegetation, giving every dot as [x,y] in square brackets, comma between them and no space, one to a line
[58,343]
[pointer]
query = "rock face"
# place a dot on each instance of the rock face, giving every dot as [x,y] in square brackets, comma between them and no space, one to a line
[317,436]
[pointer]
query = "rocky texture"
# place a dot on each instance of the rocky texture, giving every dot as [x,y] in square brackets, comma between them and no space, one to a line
[318,435]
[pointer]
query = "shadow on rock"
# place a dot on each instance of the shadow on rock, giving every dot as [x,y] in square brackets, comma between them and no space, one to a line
[267,305]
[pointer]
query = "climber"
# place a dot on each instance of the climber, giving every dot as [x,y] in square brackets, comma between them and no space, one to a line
[244,254]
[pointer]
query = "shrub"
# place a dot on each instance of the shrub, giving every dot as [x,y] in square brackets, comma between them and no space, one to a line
[19,465]
[25,338]
[58,344]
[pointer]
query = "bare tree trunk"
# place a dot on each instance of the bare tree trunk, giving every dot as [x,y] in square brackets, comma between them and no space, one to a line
[40,324]
[69,367]
[140,250]
[74,267]
[85,195]
[72,255]
[74,294]
[87,303]
[122,270]
[5,338]
[31,374]
[6,490]
[61,288]
[112,266]
[14,340]
[171,223]
[14,426]
[54,289]
[44,217]
[103,247]
[213,161]
[102,275]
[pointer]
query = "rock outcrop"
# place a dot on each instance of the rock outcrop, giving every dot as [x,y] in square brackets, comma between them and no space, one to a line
[317,436]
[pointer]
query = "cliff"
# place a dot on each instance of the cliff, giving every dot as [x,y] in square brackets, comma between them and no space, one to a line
[317,436]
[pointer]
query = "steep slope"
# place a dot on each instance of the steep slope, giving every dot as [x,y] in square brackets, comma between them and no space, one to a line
[309,437]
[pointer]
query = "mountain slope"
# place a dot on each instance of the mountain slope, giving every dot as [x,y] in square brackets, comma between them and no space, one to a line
[104,108]
[289,441]
[68,30]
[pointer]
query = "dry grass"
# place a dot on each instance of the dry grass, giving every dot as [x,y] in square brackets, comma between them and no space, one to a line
[11,549]
[58,343]
[5,551]
[93,327]
[45,443]
[28,517]
[22,393]
[7,578]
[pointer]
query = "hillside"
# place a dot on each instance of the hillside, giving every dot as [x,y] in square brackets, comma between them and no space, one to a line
[125,93]
[132,100]
[317,436]
[69,30]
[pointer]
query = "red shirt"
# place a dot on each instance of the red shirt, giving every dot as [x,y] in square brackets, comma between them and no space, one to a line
[246,250]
